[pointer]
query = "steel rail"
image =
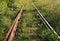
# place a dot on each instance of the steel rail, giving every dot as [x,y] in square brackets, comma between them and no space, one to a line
[11,33]
[45,21]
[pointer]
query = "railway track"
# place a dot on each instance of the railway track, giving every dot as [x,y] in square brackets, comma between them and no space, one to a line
[11,33]
[49,27]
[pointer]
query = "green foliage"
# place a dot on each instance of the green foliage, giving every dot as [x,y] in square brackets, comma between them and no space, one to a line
[50,9]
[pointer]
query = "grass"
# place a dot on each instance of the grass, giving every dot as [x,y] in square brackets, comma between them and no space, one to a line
[50,9]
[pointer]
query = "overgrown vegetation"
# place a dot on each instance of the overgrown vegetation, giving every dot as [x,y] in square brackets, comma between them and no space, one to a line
[30,21]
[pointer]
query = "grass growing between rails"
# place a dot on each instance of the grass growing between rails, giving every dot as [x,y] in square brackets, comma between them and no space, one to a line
[30,21]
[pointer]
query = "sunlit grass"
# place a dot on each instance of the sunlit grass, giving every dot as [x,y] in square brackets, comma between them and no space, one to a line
[49,8]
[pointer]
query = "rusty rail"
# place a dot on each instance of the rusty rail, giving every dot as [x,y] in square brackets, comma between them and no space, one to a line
[11,33]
